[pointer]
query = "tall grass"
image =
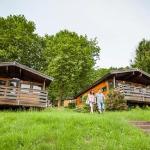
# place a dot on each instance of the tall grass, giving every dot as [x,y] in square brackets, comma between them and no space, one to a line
[68,130]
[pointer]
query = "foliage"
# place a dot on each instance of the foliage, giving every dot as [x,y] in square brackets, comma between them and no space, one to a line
[142,58]
[115,101]
[120,68]
[65,129]
[84,109]
[70,59]
[84,98]
[99,73]
[71,105]
[18,42]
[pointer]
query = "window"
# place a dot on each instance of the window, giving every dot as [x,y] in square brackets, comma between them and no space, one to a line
[37,87]
[2,82]
[25,87]
[13,83]
[111,85]
[12,89]
[104,89]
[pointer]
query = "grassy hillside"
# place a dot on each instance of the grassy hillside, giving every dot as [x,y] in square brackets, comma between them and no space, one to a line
[67,130]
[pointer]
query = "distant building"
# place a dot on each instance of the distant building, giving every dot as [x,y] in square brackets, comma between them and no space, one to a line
[65,102]
[22,86]
[133,83]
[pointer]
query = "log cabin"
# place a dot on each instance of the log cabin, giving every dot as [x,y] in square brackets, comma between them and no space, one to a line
[22,86]
[134,84]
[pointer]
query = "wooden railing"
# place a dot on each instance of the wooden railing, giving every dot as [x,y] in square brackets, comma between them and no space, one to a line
[133,93]
[24,97]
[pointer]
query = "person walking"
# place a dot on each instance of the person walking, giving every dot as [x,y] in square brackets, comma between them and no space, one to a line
[100,101]
[91,99]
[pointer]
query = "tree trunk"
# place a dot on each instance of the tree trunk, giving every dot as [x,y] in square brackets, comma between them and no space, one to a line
[59,103]
[60,98]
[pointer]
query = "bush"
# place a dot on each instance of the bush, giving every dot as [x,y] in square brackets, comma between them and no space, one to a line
[84,98]
[115,101]
[147,107]
[85,108]
[71,105]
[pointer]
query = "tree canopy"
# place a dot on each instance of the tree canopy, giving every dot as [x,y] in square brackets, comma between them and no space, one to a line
[70,60]
[142,58]
[18,42]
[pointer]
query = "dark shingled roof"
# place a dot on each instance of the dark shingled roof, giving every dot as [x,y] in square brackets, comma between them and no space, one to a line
[131,75]
[14,71]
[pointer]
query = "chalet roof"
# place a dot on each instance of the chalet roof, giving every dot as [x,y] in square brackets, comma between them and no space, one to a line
[16,70]
[131,75]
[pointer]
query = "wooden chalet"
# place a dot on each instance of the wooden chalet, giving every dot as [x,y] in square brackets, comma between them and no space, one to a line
[22,86]
[133,83]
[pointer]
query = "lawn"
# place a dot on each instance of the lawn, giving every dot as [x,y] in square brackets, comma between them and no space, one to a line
[62,129]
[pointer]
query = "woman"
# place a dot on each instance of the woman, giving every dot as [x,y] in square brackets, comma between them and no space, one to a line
[91,99]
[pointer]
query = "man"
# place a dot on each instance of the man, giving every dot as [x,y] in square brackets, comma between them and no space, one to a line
[100,101]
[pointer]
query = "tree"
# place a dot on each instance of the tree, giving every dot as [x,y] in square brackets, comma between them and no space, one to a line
[70,59]
[99,73]
[18,42]
[142,58]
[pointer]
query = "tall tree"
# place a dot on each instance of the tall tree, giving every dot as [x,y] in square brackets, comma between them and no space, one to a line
[70,59]
[18,42]
[142,58]
[99,73]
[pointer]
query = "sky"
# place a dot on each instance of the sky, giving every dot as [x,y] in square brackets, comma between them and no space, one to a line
[119,25]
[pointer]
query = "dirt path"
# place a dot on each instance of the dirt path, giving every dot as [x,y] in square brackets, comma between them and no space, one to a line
[144,125]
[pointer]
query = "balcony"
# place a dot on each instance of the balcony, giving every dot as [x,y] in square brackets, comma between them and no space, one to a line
[23,97]
[135,93]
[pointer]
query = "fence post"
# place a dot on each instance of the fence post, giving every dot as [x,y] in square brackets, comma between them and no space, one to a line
[143,94]
[18,96]
[46,99]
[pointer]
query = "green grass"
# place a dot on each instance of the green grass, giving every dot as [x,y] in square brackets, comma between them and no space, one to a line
[68,130]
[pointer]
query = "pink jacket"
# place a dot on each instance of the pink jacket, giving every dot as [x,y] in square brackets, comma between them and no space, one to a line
[91,98]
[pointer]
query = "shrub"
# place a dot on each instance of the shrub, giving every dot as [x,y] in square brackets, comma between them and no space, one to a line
[115,101]
[84,98]
[85,108]
[147,107]
[71,105]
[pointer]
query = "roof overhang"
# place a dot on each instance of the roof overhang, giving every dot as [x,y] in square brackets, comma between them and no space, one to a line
[132,75]
[22,72]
